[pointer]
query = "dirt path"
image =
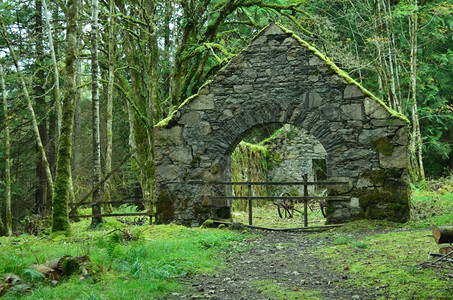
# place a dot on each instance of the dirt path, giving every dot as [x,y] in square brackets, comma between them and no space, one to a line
[275,265]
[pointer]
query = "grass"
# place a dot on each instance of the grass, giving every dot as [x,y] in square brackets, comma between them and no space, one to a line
[387,256]
[430,208]
[267,216]
[147,266]
[389,261]
[380,255]
[149,262]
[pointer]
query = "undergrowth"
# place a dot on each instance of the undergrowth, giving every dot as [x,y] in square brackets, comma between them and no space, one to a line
[145,265]
[134,262]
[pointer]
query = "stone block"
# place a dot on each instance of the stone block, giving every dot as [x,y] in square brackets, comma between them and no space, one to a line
[182,155]
[356,124]
[243,89]
[352,91]
[260,40]
[331,113]
[339,189]
[168,136]
[273,30]
[348,135]
[249,73]
[398,158]
[315,60]
[312,100]
[402,137]
[337,80]
[351,112]
[368,136]
[375,110]
[313,78]
[354,203]
[203,102]
[168,172]
[204,128]
[190,118]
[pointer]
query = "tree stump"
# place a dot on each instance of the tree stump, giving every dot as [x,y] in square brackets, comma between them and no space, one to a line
[443,234]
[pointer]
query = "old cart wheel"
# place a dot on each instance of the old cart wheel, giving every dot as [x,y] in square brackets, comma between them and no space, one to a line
[285,207]
[322,206]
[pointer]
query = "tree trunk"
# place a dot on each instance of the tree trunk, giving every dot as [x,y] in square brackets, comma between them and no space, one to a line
[60,216]
[443,234]
[109,113]
[77,149]
[41,201]
[96,209]
[55,68]
[417,151]
[9,219]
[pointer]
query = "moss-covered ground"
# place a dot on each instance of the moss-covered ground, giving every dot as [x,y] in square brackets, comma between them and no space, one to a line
[379,255]
[362,259]
[127,262]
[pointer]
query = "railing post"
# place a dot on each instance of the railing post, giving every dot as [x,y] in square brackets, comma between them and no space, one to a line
[305,201]
[249,193]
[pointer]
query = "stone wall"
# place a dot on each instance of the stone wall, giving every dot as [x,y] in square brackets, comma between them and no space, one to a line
[281,79]
[292,151]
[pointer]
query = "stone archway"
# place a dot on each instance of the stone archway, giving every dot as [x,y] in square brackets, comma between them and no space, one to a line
[279,78]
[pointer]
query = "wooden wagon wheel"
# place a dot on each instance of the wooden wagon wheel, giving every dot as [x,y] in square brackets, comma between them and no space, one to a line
[322,206]
[286,207]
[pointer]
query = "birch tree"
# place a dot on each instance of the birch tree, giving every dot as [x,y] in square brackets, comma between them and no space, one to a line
[96,210]
[42,201]
[109,113]
[9,218]
[416,143]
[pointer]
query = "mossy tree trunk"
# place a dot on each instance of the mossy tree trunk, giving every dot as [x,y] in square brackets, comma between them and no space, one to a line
[9,219]
[41,204]
[60,216]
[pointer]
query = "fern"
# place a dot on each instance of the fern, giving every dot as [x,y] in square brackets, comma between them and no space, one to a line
[32,275]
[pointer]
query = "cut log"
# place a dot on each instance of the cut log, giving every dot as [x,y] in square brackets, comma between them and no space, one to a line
[443,234]
[47,272]
[446,250]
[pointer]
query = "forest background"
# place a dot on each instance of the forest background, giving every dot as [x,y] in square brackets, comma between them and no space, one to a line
[84,82]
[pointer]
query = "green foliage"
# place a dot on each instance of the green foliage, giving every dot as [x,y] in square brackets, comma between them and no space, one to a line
[249,158]
[32,275]
[146,267]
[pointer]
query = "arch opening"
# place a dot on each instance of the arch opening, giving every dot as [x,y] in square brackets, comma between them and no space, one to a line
[277,153]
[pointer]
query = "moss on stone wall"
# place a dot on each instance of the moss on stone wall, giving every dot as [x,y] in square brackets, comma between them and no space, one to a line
[383,146]
[384,204]
[244,158]
[164,208]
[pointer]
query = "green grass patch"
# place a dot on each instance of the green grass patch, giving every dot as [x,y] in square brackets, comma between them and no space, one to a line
[389,261]
[127,262]
[268,216]
[273,290]
[430,208]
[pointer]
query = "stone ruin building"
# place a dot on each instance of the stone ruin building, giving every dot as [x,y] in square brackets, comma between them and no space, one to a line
[280,78]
